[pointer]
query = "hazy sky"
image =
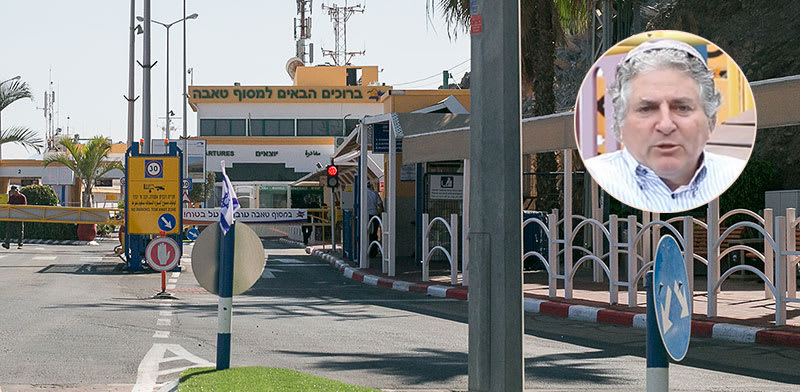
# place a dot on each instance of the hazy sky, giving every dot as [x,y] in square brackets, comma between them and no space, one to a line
[85,44]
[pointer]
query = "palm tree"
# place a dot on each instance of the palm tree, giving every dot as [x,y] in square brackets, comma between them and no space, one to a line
[89,162]
[543,25]
[10,91]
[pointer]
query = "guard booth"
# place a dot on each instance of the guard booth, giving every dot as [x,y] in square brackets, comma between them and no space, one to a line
[152,201]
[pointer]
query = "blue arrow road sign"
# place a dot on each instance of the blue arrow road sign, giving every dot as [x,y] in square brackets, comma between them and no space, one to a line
[166,222]
[671,297]
[192,234]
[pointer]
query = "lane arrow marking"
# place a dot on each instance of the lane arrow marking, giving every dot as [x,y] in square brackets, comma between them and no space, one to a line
[665,311]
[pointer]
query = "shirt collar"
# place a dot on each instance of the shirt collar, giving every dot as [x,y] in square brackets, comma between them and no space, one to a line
[646,177]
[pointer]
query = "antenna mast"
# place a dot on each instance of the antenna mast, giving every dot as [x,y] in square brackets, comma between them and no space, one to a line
[302,31]
[48,110]
[339,17]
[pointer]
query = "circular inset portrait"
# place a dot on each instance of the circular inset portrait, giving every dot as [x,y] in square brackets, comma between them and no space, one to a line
[665,121]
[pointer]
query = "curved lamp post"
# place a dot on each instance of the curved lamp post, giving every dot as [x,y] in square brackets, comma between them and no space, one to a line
[167,26]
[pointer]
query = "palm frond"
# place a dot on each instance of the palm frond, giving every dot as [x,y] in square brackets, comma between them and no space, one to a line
[573,15]
[23,136]
[454,12]
[13,91]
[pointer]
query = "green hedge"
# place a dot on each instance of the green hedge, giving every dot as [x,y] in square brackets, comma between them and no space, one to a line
[42,195]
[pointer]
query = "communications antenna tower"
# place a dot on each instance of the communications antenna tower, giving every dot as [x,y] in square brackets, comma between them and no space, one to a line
[302,32]
[49,110]
[339,17]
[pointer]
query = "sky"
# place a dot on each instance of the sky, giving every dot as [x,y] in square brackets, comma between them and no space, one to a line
[82,46]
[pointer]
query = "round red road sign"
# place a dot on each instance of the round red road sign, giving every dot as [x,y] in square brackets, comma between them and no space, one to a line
[162,254]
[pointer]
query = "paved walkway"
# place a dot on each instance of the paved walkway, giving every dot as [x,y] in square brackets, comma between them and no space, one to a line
[744,315]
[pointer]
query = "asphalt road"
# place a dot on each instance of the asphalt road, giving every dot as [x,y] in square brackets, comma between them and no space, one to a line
[70,318]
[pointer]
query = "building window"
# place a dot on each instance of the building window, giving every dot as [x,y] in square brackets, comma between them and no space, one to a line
[272,197]
[320,127]
[238,127]
[223,127]
[207,127]
[282,127]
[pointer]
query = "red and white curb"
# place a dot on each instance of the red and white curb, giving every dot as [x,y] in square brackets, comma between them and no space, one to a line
[701,329]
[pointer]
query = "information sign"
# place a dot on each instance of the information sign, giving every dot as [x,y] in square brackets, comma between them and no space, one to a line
[154,190]
[446,186]
[380,143]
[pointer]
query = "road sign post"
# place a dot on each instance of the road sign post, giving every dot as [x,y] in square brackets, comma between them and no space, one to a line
[657,360]
[227,266]
[669,322]
[153,184]
[163,254]
[225,308]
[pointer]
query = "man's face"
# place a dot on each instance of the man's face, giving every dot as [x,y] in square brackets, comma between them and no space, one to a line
[665,127]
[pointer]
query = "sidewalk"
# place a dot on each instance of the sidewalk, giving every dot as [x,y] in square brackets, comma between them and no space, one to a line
[743,314]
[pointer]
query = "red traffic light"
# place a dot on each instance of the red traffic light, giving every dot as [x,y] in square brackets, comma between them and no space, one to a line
[332,170]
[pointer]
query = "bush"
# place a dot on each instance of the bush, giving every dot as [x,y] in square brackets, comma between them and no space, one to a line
[42,195]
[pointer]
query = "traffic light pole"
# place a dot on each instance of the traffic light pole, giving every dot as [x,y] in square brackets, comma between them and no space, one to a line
[333,221]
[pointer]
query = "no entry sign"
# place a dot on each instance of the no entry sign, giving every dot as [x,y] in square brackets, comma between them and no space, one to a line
[163,254]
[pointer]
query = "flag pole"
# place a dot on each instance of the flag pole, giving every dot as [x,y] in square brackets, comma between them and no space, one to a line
[226,247]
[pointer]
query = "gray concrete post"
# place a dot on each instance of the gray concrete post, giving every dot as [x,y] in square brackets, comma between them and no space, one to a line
[495,303]
[146,80]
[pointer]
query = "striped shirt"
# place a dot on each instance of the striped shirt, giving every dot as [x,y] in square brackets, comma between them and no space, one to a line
[632,183]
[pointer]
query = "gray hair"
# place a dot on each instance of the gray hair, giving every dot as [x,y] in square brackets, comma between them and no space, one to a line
[676,59]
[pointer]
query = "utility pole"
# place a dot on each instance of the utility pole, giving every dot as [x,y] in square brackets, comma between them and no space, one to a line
[495,243]
[339,17]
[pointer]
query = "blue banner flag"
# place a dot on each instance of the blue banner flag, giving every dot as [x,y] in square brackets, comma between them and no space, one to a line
[229,202]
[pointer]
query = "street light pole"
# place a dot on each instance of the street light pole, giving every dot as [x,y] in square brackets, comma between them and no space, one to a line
[167,73]
[146,79]
[167,26]
[184,96]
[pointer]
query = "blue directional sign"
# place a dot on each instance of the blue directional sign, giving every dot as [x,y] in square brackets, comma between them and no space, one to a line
[671,297]
[192,234]
[167,222]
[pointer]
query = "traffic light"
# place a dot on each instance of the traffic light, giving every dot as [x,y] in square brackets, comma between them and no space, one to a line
[332,176]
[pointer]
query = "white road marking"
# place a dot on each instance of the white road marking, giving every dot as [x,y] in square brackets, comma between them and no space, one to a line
[172,280]
[161,335]
[164,322]
[176,274]
[170,287]
[287,261]
[45,257]
[165,313]
[38,248]
[148,372]
[268,273]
